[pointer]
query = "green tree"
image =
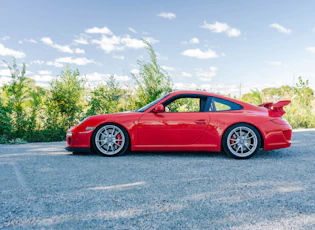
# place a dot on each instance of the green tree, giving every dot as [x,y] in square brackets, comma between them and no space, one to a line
[152,81]
[66,99]
[303,92]
[106,98]
[17,93]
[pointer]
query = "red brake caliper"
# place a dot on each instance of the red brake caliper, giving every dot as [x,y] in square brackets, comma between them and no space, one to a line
[119,138]
[233,141]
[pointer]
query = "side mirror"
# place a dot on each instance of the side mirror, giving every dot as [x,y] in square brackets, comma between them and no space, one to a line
[159,109]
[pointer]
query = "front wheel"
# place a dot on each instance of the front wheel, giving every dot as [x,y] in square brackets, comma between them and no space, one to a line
[241,141]
[110,140]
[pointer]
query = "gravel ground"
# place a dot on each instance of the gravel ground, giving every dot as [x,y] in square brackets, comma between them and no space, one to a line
[43,186]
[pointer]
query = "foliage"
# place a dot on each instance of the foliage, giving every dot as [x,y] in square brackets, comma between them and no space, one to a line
[300,112]
[106,98]
[65,100]
[152,81]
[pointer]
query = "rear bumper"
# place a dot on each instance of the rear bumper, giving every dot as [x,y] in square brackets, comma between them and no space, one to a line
[278,138]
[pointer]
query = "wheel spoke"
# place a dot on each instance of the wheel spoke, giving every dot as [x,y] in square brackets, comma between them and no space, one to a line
[117,144]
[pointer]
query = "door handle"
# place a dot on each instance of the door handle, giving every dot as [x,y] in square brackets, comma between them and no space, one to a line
[201,122]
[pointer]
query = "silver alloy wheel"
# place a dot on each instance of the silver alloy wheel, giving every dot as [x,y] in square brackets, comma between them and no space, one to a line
[109,139]
[242,141]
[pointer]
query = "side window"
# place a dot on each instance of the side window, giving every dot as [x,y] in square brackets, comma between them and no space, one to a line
[219,104]
[182,105]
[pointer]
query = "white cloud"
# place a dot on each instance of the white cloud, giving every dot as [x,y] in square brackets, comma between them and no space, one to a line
[2,64]
[116,43]
[280,28]
[108,44]
[42,80]
[233,32]
[5,38]
[197,53]
[56,64]
[219,27]
[49,42]
[121,78]
[9,52]
[313,30]
[144,32]
[4,80]
[96,78]
[185,86]
[206,75]
[191,41]
[168,68]
[5,72]
[96,30]
[274,63]
[83,39]
[30,40]
[310,49]
[132,30]
[185,74]
[134,71]
[38,62]
[79,51]
[194,41]
[151,40]
[133,43]
[77,61]
[44,72]
[119,57]
[167,15]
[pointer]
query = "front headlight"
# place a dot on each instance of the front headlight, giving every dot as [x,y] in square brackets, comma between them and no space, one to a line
[69,134]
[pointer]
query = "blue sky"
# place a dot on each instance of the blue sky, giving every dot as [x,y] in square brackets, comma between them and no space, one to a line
[214,45]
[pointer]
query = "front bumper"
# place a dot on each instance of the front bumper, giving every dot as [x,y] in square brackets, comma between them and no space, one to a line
[79,140]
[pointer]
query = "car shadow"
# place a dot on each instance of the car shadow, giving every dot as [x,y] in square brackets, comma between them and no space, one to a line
[273,154]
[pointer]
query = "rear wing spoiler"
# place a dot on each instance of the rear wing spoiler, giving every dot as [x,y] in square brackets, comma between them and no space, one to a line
[275,109]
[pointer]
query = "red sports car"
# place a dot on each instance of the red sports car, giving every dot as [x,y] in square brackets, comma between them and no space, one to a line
[186,121]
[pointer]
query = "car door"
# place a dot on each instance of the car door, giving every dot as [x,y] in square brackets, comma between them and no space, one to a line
[172,128]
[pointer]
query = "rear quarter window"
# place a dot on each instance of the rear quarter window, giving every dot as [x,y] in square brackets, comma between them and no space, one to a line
[219,104]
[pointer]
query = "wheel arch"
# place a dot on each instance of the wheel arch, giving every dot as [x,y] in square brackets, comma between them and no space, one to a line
[258,129]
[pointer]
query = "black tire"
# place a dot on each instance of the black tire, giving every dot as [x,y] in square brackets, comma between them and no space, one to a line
[96,148]
[232,148]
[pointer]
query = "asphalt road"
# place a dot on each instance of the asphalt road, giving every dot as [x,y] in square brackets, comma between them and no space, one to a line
[43,186]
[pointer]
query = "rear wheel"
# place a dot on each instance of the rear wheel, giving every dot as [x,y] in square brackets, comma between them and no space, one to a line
[241,141]
[110,140]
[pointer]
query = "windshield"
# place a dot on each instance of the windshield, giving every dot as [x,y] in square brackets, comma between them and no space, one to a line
[152,103]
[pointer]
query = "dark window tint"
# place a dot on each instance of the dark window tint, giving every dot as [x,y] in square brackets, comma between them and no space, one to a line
[219,104]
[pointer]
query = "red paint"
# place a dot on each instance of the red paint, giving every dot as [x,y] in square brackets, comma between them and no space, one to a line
[189,131]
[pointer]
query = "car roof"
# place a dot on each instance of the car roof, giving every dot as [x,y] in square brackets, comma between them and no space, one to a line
[179,92]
